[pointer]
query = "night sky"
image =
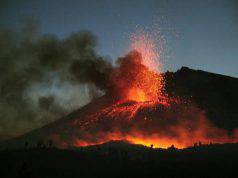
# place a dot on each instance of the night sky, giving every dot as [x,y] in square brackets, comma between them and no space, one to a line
[201,34]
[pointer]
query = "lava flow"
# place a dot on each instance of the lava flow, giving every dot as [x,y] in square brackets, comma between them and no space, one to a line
[136,109]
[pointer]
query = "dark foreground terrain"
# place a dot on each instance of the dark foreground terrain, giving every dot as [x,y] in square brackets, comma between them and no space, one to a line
[120,159]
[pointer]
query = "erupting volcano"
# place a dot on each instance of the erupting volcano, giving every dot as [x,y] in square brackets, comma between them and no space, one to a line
[135,108]
[118,88]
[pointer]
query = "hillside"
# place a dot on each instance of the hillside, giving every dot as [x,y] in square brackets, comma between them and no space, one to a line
[216,94]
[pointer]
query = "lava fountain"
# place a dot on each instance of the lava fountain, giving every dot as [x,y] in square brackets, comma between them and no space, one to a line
[137,78]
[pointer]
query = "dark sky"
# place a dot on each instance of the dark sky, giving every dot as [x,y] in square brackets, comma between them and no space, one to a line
[202,34]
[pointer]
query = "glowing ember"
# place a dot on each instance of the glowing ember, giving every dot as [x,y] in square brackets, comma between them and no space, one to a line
[146,45]
[150,83]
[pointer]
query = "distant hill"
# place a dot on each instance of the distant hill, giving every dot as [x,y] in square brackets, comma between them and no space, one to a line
[216,94]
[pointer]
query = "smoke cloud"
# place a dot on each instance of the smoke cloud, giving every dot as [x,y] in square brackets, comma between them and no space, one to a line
[43,77]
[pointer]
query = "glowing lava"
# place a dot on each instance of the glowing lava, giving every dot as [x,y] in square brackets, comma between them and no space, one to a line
[137,94]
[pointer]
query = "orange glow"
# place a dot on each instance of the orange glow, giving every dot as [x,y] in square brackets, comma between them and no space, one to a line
[156,142]
[138,139]
[136,94]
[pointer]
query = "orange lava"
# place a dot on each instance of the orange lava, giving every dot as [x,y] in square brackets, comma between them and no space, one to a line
[136,94]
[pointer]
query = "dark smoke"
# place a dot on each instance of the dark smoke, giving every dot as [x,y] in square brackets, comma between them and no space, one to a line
[125,75]
[42,76]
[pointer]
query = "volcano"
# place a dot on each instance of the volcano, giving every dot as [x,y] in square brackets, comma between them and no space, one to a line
[198,108]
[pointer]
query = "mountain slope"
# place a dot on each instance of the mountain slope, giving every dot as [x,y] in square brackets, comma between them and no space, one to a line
[216,94]
[150,123]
